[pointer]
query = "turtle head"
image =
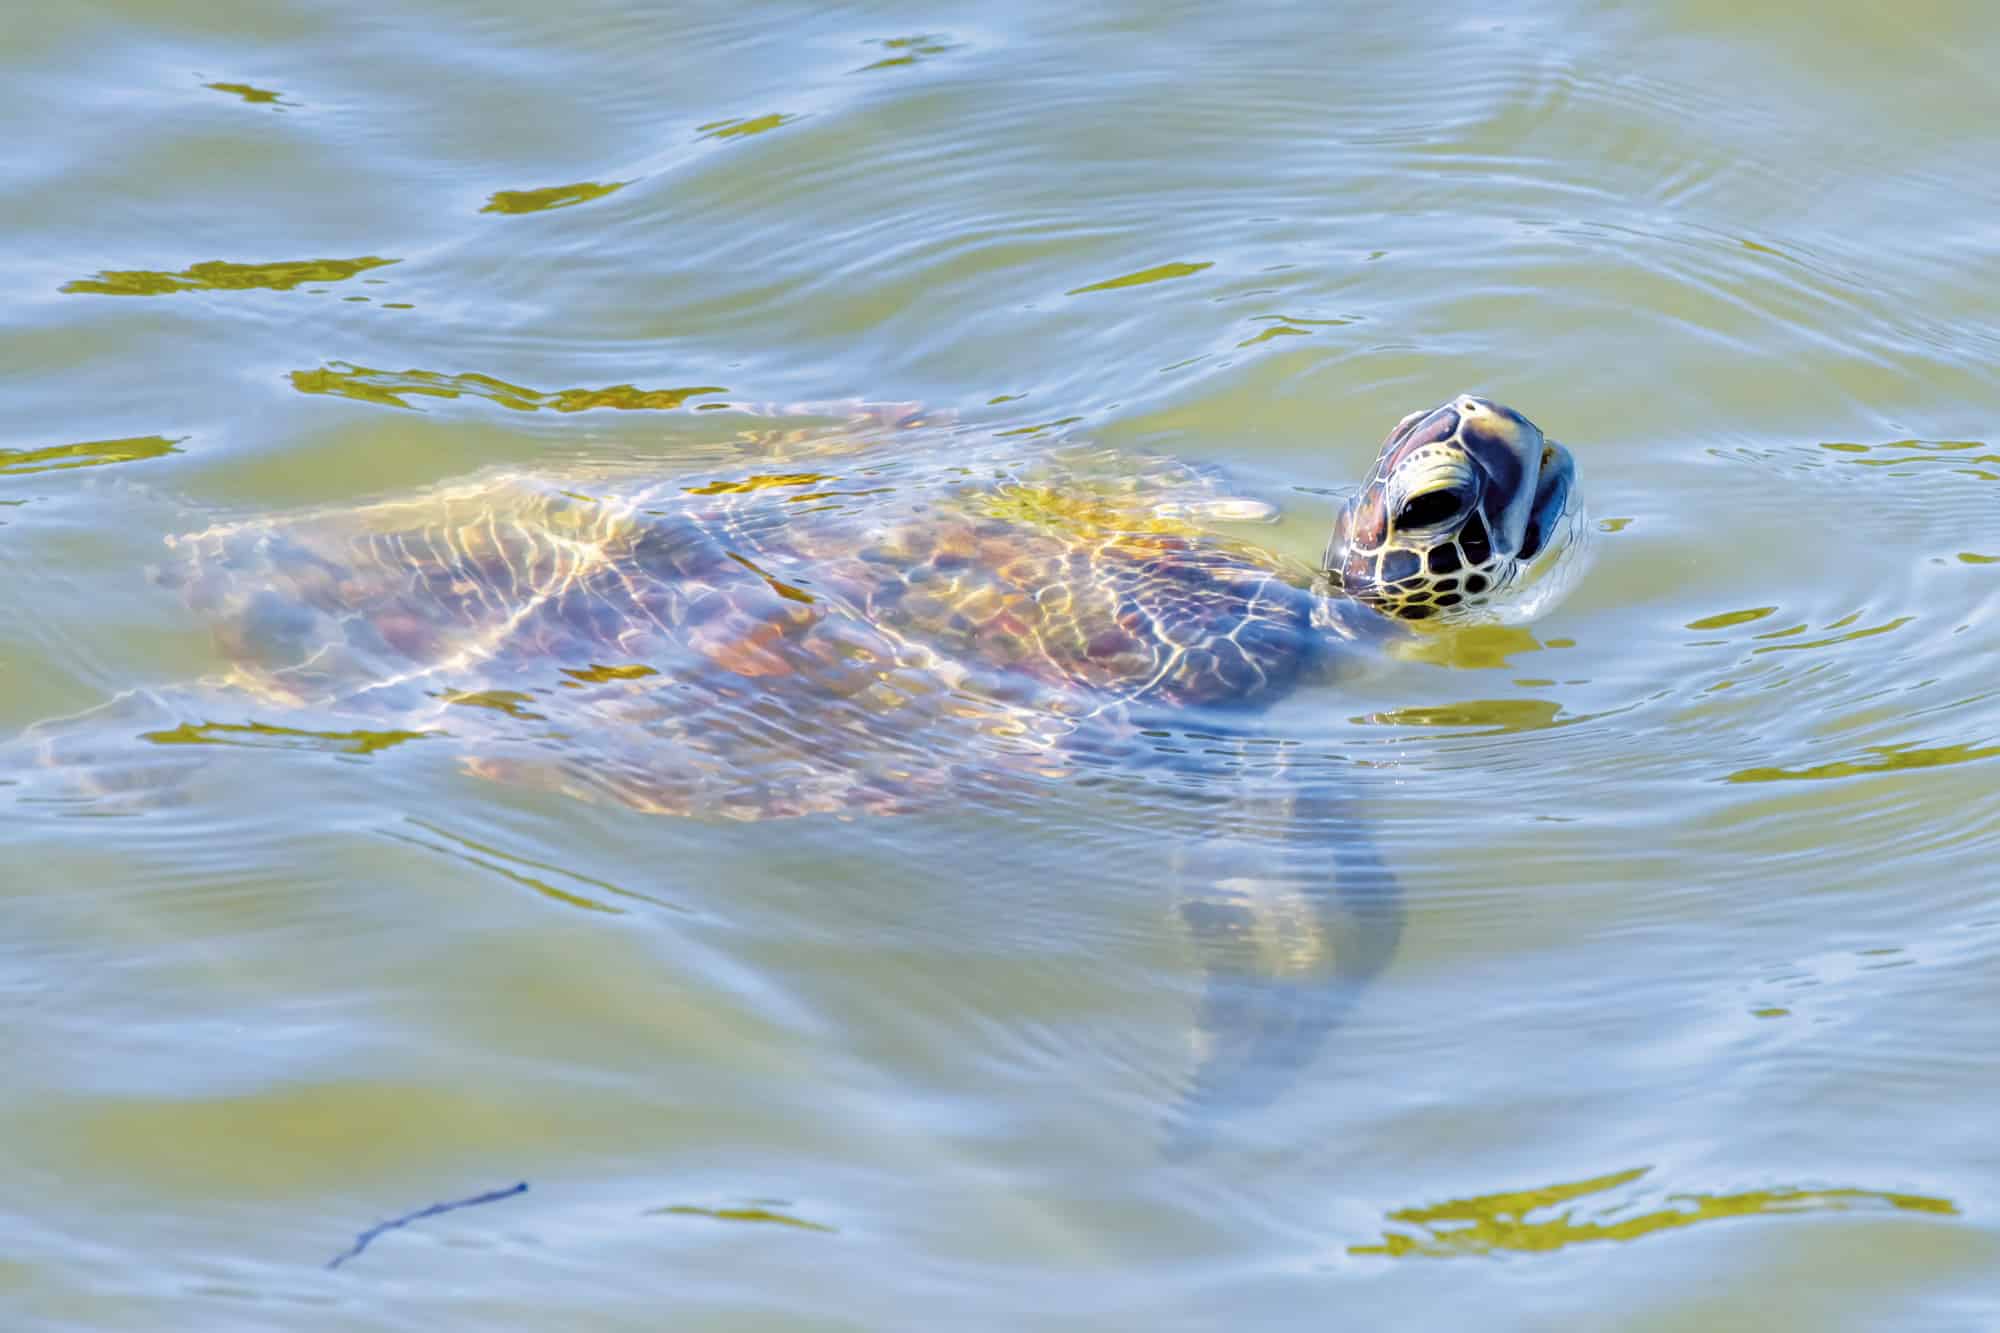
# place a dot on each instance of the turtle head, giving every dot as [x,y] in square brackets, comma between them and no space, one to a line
[1461,500]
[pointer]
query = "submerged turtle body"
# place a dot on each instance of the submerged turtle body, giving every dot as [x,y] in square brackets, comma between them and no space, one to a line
[763,642]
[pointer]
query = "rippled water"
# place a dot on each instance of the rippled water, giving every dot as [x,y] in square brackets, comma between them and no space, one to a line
[1690,1022]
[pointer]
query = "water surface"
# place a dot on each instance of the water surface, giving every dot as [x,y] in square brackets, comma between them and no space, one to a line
[1690,1023]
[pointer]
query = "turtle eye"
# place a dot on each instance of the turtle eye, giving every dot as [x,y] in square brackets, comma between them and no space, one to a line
[1431,508]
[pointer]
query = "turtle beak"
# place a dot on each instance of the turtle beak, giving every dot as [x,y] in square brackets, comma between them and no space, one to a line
[1552,490]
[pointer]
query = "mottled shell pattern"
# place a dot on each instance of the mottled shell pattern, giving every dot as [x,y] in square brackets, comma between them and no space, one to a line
[810,625]
[1460,501]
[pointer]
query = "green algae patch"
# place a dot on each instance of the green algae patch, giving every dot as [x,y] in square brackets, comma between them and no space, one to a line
[1731,619]
[554,196]
[907,51]
[1500,1223]
[260,735]
[735,128]
[216,275]
[752,1213]
[93,453]
[1158,273]
[391,388]
[261,96]
[1486,717]
[1877,759]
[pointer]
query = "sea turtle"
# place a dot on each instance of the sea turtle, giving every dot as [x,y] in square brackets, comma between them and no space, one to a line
[879,615]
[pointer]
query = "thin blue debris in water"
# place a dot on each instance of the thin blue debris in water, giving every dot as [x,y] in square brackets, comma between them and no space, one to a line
[361,1241]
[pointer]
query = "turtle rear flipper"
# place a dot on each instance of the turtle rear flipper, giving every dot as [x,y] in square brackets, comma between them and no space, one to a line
[115,758]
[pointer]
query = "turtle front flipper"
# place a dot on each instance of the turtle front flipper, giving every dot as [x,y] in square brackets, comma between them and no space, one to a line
[1288,940]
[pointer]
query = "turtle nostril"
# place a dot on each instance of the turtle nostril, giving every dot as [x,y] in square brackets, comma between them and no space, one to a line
[1431,508]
